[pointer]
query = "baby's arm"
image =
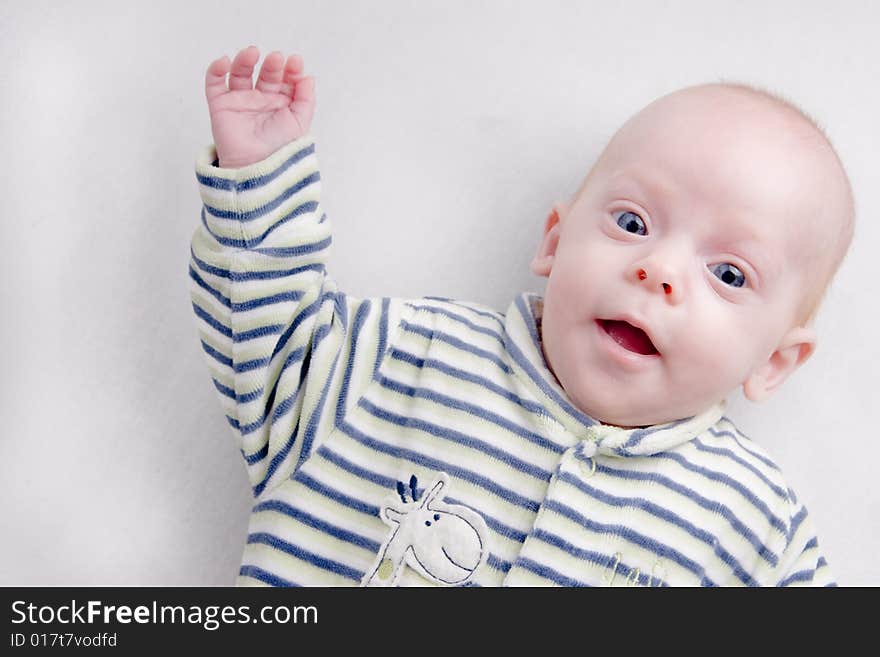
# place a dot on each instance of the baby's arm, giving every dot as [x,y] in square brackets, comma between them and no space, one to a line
[277,334]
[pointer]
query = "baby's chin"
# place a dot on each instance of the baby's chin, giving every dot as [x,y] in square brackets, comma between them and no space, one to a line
[633,412]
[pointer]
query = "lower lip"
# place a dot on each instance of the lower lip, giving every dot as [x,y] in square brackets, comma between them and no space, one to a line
[621,354]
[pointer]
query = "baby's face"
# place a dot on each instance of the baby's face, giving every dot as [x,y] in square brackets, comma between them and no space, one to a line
[678,272]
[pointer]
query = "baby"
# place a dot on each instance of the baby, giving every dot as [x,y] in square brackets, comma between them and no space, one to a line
[577,439]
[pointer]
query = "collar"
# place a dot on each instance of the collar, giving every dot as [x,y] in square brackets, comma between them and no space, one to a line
[523,342]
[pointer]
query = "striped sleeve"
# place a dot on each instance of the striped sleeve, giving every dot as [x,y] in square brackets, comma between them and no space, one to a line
[801,562]
[278,336]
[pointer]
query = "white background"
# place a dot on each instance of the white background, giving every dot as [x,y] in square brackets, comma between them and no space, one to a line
[445,131]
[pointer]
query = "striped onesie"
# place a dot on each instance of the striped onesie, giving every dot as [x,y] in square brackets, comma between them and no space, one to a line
[425,441]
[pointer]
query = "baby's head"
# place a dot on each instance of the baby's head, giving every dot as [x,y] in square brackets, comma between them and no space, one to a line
[692,259]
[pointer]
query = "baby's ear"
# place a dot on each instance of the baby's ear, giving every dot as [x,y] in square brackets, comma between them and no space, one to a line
[794,349]
[542,263]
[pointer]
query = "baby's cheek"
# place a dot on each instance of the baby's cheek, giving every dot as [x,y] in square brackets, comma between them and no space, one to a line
[717,357]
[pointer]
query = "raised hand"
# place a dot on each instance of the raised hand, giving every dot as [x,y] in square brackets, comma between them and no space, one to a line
[249,122]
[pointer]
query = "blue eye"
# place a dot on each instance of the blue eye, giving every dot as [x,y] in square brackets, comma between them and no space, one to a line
[632,223]
[728,274]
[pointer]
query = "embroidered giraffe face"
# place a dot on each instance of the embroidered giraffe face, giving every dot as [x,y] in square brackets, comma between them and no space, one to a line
[442,542]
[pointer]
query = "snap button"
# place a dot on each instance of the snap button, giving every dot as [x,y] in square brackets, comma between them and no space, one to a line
[588,467]
[587,463]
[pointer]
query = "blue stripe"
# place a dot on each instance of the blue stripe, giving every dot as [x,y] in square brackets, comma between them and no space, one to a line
[318,524]
[257,181]
[211,321]
[712,506]
[637,436]
[455,342]
[282,407]
[305,555]
[248,365]
[383,334]
[721,451]
[461,320]
[216,355]
[506,531]
[223,390]
[456,437]
[239,216]
[255,572]
[796,521]
[643,541]
[493,315]
[251,427]
[596,558]
[286,404]
[315,417]
[292,295]
[257,456]
[254,242]
[763,459]
[259,332]
[358,322]
[333,494]
[280,410]
[296,251]
[520,359]
[498,563]
[440,466]
[476,411]
[548,573]
[271,274]
[193,274]
[239,276]
[800,576]
[302,316]
[667,516]
[276,461]
[749,495]
[248,397]
[302,209]
[440,366]
[344,464]
[219,272]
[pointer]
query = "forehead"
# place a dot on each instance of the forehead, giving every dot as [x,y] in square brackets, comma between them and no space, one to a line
[721,157]
[719,150]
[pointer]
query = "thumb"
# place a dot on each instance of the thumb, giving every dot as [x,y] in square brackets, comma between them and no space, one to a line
[303,103]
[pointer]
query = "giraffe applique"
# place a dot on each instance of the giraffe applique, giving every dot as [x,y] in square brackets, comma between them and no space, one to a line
[444,543]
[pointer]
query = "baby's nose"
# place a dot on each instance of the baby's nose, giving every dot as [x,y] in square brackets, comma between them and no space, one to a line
[661,280]
[667,288]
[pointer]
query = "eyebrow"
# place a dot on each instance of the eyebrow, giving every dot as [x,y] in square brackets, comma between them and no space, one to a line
[647,186]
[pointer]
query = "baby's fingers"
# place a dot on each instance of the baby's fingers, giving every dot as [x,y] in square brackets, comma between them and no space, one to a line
[242,72]
[215,78]
[293,70]
[269,80]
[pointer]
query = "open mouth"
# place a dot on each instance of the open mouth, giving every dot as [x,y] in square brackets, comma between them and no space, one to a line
[630,337]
